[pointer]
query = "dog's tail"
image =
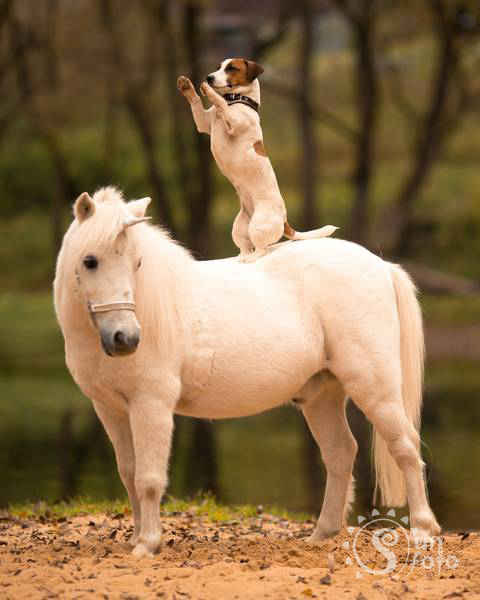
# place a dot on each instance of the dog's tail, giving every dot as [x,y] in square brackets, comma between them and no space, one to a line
[290,233]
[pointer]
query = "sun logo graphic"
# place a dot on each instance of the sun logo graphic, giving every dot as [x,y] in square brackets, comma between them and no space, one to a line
[383,546]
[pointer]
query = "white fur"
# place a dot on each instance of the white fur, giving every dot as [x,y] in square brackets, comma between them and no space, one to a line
[234,130]
[315,320]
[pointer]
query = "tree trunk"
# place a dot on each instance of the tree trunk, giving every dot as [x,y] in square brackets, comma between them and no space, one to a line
[308,157]
[367,102]
[179,111]
[136,105]
[202,464]
[143,126]
[199,214]
[65,189]
[428,144]
[313,474]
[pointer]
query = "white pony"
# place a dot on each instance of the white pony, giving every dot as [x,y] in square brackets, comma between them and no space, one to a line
[316,321]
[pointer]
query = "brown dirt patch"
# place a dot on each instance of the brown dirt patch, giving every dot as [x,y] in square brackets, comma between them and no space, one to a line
[264,557]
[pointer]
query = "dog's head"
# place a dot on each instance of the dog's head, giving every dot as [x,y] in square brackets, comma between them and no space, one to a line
[234,75]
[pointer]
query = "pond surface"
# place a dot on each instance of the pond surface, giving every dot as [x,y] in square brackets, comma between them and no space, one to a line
[52,446]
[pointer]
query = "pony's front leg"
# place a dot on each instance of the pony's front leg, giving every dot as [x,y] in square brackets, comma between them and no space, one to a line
[151,421]
[117,426]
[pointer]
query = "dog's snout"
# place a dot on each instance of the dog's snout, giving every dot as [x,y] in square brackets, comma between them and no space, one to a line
[210,78]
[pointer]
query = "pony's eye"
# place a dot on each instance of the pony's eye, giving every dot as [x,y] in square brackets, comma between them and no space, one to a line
[90,262]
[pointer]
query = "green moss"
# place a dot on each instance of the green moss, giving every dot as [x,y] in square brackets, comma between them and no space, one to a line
[202,506]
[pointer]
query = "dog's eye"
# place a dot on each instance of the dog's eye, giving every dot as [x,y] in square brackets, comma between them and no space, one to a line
[139,264]
[231,68]
[90,262]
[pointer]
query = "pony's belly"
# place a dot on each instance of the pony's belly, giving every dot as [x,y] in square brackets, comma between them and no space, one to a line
[237,393]
[213,406]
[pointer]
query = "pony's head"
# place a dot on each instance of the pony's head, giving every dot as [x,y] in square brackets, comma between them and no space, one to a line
[104,255]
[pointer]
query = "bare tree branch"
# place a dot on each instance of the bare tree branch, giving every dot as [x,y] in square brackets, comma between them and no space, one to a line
[328,118]
[399,98]
[438,121]
[24,42]
[261,45]
[135,97]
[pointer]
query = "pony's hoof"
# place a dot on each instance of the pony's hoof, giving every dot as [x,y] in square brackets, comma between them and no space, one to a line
[133,541]
[142,551]
[318,537]
[314,540]
[424,527]
[425,537]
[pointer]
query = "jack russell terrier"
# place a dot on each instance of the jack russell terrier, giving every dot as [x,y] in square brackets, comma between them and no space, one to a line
[237,145]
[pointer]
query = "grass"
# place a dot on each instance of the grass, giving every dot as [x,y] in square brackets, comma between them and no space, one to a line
[202,506]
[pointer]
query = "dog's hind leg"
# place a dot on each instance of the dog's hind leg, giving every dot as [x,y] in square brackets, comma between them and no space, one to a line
[265,229]
[240,233]
[324,410]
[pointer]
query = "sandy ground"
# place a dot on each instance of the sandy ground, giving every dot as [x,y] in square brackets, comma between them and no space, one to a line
[264,557]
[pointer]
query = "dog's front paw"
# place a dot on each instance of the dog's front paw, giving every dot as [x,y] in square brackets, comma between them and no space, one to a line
[205,89]
[184,85]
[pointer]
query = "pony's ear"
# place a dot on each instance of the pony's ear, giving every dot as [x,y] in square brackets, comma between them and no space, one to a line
[138,208]
[253,70]
[84,207]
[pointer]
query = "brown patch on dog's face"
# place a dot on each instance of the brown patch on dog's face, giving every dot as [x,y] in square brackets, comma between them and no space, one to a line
[241,72]
[259,148]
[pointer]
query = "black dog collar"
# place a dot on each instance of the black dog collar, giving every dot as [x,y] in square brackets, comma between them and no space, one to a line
[239,99]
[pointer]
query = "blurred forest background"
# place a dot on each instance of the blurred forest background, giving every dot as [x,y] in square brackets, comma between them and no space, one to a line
[371,118]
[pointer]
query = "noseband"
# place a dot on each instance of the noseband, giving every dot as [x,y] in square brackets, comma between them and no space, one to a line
[106,307]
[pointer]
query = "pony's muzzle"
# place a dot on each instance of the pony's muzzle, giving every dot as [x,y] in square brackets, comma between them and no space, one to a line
[120,343]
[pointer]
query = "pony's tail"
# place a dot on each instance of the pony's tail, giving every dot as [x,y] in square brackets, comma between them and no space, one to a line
[389,478]
[290,233]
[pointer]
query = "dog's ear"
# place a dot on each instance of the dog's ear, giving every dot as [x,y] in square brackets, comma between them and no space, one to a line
[253,70]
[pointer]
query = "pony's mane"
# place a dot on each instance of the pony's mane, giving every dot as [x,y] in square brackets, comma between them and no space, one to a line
[162,293]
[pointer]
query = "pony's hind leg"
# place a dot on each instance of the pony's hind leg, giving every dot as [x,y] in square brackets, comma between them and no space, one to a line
[118,430]
[324,410]
[379,397]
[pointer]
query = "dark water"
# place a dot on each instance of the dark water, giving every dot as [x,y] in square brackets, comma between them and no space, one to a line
[52,447]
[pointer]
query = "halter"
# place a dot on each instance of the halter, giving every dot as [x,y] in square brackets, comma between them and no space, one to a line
[105,307]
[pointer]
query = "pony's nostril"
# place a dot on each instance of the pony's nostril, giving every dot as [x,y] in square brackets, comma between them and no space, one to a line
[119,338]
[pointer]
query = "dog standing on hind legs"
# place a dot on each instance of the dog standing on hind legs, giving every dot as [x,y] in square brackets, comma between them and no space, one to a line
[233,124]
